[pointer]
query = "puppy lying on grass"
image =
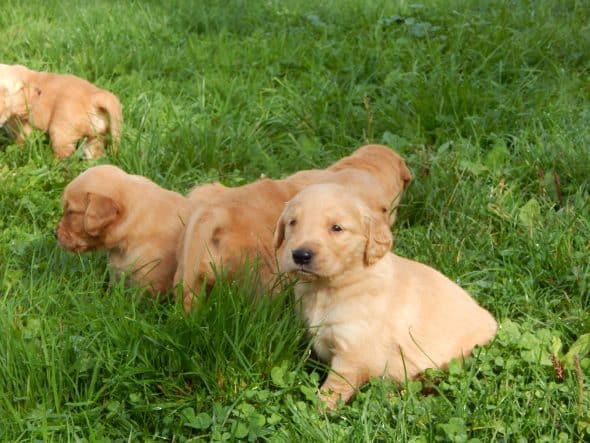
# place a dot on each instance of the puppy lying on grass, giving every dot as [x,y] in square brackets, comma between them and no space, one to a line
[371,312]
[66,107]
[136,221]
[236,225]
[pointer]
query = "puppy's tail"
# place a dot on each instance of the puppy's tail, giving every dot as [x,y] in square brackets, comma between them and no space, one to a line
[108,104]
[200,252]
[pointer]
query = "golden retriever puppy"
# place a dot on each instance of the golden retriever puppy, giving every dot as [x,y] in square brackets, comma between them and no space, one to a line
[236,224]
[66,107]
[136,221]
[371,312]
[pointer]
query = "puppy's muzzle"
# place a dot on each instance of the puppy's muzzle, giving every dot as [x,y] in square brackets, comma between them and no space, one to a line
[302,256]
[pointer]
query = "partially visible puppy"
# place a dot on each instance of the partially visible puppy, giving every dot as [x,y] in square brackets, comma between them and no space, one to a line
[236,224]
[233,226]
[67,107]
[136,221]
[372,313]
[384,165]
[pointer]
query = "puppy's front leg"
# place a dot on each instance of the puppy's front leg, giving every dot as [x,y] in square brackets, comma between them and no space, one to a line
[342,382]
[190,293]
[187,300]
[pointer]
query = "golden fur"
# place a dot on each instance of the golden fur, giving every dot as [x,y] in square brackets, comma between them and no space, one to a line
[66,107]
[236,224]
[372,313]
[135,220]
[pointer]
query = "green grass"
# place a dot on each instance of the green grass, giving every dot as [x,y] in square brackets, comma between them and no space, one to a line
[488,101]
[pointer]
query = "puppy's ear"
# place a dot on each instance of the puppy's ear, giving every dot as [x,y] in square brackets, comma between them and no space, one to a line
[379,239]
[279,234]
[100,212]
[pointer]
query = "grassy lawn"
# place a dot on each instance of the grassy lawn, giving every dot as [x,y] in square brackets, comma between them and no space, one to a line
[488,101]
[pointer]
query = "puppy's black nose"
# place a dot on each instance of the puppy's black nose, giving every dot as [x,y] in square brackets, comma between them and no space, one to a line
[302,256]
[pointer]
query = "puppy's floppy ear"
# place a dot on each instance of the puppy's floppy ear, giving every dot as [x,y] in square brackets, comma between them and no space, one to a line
[100,212]
[379,239]
[279,234]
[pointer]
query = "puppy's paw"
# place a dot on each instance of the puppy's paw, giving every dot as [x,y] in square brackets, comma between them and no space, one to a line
[328,400]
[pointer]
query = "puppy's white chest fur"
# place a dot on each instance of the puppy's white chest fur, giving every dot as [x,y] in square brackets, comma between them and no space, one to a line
[337,325]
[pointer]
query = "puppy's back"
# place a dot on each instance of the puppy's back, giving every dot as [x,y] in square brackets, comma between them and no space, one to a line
[445,321]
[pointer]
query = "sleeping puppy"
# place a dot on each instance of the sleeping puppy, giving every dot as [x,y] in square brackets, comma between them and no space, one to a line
[371,312]
[136,221]
[235,225]
[66,107]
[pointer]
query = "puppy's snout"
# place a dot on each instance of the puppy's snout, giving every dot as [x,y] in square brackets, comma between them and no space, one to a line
[302,256]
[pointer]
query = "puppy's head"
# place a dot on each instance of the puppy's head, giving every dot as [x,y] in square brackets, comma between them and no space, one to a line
[92,204]
[12,77]
[327,230]
[10,85]
[383,163]
[17,93]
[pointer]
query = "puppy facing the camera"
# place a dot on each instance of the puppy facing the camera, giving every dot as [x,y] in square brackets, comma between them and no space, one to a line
[371,312]
[136,221]
[235,225]
[66,107]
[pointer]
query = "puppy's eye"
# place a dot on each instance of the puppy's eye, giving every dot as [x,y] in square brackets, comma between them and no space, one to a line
[336,228]
[292,222]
